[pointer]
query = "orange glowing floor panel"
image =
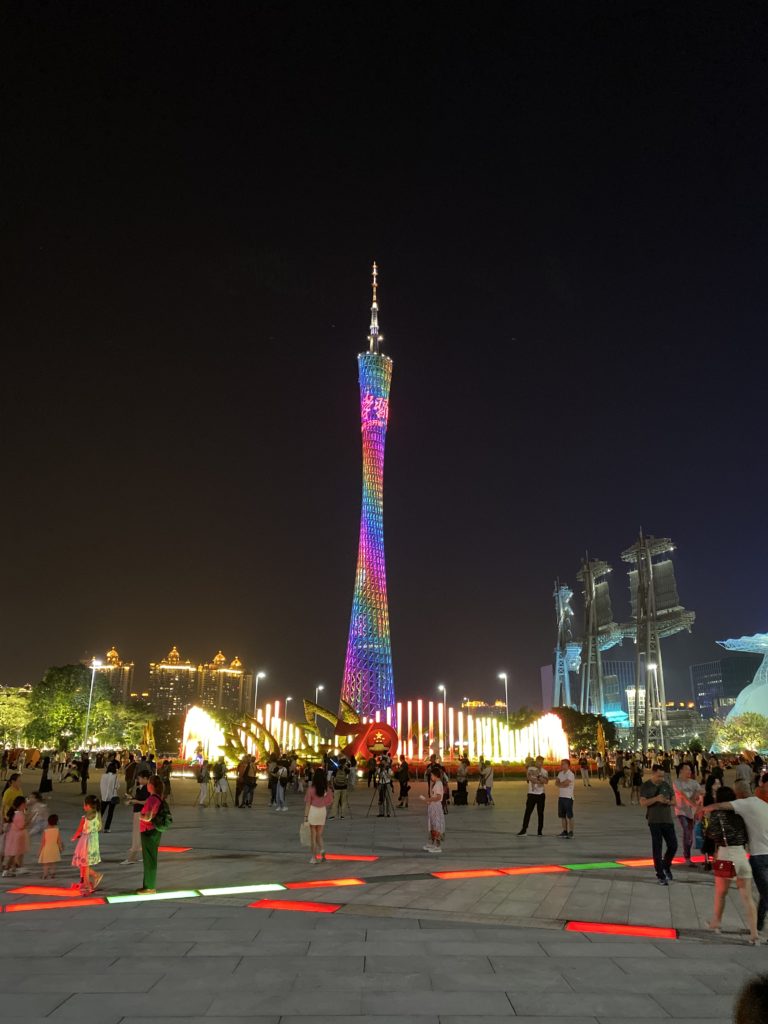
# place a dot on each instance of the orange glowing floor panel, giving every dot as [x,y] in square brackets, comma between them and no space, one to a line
[637,862]
[174,849]
[536,869]
[639,930]
[300,905]
[477,873]
[324,883]
[349,856]
[86,901]
[44,890]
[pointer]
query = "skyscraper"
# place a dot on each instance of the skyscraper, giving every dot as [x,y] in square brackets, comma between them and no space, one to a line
[368,685]
[172,685]
[119,673]
[223,686]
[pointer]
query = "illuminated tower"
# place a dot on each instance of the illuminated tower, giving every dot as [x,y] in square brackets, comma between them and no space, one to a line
[368,685]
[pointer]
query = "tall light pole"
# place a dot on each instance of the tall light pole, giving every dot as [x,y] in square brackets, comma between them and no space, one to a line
[503,675]
[259,675]
[94,666]
[441,687]
[287,701]
[318,688]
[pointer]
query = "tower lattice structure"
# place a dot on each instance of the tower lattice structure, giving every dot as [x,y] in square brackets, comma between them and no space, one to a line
[656,613]
[368,684]
[600,633]
[567,653]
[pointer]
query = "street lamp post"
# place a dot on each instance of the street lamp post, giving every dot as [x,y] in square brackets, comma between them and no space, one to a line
[318,688]
[503,675]
[94,666]
[287,701]
[259,675]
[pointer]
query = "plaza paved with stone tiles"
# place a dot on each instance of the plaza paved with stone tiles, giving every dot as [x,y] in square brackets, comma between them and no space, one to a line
[405,946]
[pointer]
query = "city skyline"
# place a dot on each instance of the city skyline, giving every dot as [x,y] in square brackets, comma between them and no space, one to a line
[571,237]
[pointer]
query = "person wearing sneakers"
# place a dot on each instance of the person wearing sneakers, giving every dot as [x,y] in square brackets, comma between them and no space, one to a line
[537,778]
[658,799]
[564,780]
[137,801]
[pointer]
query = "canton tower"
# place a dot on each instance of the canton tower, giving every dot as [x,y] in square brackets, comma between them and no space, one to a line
[368,685]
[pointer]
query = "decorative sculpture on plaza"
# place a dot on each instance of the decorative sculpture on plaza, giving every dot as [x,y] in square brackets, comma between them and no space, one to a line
[753,698]
[368,685]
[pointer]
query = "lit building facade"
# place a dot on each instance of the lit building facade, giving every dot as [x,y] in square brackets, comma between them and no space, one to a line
[119,674]
[683,722]
[172,685]
[368,684]
[716,685]
[707,686]
[224,686]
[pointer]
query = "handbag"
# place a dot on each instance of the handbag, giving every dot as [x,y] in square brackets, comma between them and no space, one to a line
[304,835]
[723,868]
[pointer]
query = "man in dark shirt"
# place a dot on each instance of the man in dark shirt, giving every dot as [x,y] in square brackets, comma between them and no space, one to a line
[137,802]
[658,798]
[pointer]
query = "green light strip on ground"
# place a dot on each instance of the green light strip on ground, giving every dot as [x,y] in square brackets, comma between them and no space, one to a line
[598,865]
[232,890]
[180,894]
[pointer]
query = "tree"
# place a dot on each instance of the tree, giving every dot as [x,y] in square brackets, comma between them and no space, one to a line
[522,717]
[581,729]
[58,706]
[15,713]
[747,732]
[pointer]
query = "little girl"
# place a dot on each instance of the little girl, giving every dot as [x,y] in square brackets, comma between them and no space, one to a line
[16,837]
[51,847]
[87,853]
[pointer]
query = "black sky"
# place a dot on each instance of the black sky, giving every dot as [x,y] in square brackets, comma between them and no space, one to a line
[568,207]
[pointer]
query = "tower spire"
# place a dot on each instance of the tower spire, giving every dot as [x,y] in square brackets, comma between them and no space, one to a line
[374,338]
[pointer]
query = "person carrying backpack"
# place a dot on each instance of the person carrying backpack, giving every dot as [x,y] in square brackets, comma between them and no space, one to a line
[340,787]
[154,819]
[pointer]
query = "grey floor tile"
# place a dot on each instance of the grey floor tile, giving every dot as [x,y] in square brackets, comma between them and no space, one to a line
[523,980]
[485,1002]
[594,1003]
[137,1004]
[560,1019]
[306,1003]
[404,964]
[16,1004]
[694,1006]
[87,981]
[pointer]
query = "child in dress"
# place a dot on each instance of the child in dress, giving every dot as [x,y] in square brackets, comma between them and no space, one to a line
[16,838]
[51,847]
[87,853]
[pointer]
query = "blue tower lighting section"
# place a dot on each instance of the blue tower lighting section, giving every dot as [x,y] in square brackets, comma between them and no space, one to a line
[368,684]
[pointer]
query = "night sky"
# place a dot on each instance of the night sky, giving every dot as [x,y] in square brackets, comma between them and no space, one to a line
[568,206]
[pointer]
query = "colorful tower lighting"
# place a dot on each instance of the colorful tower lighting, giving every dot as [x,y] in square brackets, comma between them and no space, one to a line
[368,684]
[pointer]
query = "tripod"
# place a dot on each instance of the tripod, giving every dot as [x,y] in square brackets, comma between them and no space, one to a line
[214,792]
[386,806]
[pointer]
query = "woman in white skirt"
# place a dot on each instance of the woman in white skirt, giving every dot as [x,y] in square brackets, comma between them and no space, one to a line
[316,803]
[435,816]
[727,830]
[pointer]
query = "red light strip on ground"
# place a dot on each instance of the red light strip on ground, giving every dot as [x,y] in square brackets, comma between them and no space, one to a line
[43,890]
[86,901]
[478,873]
[348,856]
[536,869]
[322,883]
[300,905]
[174,849]
[641,930]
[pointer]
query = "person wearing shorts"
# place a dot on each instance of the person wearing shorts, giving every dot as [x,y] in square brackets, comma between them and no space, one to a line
[564,780]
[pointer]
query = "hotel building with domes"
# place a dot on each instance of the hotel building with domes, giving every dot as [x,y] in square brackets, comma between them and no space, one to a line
[119,673]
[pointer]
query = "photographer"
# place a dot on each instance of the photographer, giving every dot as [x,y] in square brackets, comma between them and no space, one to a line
[384,781]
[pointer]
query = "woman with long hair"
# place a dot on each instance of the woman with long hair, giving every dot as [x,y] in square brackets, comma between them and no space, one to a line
[711,789]
[316,803]
[150,836]
[729,833]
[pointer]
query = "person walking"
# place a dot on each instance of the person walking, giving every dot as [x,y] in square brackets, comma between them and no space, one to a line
[616,777]
[462,781]
[435,815]
[637,781]
[687,803]
[600,765]
[87,853]
[51,847]
[727,830]
[281,787]
[316,804]
[754,811]
[109,797]
[486,781]
[537,778]
[220,784]
[154,805]
[136,802]
[565,781]
[85,773]
[584,769]
[16,838]
[658,798]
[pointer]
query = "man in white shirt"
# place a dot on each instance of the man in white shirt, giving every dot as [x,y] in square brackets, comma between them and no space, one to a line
[537,778]
[564,781]
[754,811]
